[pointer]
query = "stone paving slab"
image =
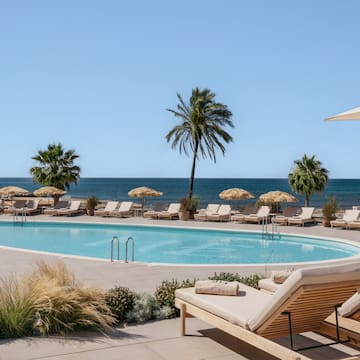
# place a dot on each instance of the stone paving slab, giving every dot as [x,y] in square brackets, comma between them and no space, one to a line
[156,341]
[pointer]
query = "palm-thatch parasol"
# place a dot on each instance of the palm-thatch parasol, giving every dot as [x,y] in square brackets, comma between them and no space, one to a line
[50,191]
[11,191]
[143,192]
[235,194]
[276,197]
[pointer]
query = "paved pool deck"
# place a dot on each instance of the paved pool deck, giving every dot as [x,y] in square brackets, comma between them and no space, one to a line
[156,340]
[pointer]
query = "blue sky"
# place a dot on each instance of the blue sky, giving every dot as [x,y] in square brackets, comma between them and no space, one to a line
[97,76]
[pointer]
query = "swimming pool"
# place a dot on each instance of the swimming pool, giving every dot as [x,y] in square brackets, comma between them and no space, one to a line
[172,245]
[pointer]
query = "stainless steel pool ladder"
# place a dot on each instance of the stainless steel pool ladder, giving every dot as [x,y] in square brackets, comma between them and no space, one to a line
[116,240]
[264,229]
[132,249]
[19,216]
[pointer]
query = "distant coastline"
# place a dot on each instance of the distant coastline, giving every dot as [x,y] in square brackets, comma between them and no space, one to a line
[347,191]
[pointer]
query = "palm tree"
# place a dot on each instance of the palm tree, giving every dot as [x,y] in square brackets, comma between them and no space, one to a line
[201,129]
[308,177]
[56,167]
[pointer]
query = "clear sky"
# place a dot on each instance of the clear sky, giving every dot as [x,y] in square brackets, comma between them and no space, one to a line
[97,76]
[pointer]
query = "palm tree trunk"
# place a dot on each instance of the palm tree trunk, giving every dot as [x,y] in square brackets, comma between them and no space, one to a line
[192,176]
[307,200]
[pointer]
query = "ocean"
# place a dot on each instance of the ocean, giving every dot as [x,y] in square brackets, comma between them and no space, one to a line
[347,191]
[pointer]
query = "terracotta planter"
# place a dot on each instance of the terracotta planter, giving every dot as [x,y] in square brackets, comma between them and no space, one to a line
[90,212]
[184,215]
[326,221]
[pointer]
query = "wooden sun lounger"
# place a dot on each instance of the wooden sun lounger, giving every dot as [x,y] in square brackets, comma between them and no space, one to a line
[19,205]
[202,215]
[288,212]
[152,214]
[306,216]
[125,210]
[260,216]
[223,214]
[301,304]
[59,205]
[110,206]
[350,216]
[72,210]
[171,213]
[32,207]
[348,321]
[249,209]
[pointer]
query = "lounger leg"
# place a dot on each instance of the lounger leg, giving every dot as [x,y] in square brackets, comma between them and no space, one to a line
[182,319]
[338,340]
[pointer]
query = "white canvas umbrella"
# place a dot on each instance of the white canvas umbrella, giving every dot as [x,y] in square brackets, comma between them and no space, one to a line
[353,114]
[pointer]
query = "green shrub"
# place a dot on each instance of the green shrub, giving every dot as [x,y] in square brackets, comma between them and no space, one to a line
[145,308]
[251,280]
[165,294]
[120,300]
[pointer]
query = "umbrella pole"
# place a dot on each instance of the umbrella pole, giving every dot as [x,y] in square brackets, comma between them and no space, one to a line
[143,202]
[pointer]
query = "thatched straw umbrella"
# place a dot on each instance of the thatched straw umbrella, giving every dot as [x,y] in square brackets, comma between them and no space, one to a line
[276,197]
[143,192]
[235,194]
[11,191]
[50,191]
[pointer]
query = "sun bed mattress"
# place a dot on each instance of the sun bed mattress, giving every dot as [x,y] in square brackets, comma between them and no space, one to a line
[235,309]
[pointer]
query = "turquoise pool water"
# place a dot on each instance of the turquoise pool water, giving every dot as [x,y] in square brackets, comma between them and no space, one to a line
[172,245]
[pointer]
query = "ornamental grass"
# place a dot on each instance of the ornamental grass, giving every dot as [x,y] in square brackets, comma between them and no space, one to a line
[50,300]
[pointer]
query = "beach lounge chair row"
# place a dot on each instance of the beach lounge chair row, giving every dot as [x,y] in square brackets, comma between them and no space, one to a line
[290,216]
[64,208]
[350,220]
[214,212]
[303,303]
[252,215]
[25,207]
[111,209]
[171,213]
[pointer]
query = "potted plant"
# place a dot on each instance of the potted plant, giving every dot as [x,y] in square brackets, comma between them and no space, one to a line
[329,210]
[188,208]
[91,203]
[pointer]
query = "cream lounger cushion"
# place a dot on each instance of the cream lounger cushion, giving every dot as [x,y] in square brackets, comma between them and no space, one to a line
[252,308]
[235,309]
[350,306]
[308,276]
[268,285]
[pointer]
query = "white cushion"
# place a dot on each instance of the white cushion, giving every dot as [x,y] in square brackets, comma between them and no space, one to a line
[308,276]
[235,309]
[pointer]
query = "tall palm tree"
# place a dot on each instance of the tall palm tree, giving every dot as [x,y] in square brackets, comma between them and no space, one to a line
[201,129]
[56,167]
[308,177]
